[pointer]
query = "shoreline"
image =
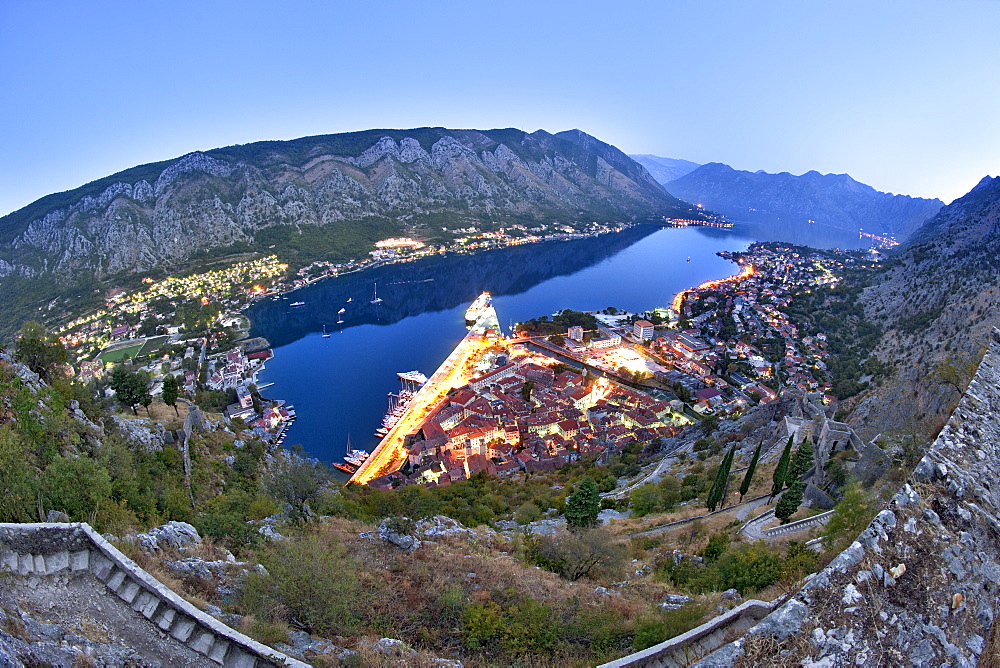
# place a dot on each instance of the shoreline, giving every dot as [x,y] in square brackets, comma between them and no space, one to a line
[381,263]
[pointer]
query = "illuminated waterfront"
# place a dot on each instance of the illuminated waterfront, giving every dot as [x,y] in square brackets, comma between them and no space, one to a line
[339,385]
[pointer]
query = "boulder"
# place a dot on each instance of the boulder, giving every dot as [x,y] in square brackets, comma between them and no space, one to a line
[400,540]
[172,534]
[392,647]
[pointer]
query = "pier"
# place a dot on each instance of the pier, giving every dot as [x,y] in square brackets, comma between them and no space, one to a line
[390,453]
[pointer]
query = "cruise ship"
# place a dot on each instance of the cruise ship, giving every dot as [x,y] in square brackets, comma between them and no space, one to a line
[478,307]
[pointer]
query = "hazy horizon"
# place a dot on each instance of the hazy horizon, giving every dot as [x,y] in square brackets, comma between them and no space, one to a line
[895,95]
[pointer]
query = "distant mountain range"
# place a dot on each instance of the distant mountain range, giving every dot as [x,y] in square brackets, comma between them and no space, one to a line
[349,189]
[834,200]
[665,170]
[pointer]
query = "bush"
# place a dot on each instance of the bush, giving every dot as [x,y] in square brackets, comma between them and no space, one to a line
[668,624]
[306,582]
[577,554]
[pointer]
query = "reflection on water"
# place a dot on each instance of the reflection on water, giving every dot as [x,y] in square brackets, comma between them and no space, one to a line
[339,384]
[432,284]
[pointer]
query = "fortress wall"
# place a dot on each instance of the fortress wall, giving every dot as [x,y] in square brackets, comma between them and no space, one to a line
[43,550]
[921,584]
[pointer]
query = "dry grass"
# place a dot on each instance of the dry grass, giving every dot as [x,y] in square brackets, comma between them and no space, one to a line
[991,655]
[765,650]
[91,631]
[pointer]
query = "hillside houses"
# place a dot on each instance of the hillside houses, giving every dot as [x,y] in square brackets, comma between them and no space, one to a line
[524,416]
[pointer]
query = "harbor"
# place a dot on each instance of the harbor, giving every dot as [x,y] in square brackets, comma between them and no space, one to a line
[390,453]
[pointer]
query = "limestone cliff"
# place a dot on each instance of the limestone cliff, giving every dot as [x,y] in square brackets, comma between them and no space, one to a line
[160,214]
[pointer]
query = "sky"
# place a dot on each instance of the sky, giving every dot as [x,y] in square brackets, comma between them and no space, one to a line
[903,96]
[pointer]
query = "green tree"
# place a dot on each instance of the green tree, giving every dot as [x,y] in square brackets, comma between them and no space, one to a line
[748,476]
[17,480]
[717,494]
[129,387]
[790,500]
[781,470]
[850,517]
[802,461]
[583,506]
[644,500]
[526,390]
[146,399]
[78,486]
[170,391]
[709,424]
[294,481]
[38,350]
[577,554]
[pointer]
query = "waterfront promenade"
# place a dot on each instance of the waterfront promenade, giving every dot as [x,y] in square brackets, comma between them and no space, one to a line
[454,372]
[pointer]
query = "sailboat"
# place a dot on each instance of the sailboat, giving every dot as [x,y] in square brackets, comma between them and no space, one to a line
[375,298]
[350,299]
[325,335]
[340,316]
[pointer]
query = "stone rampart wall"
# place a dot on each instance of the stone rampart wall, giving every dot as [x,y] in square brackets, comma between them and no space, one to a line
[42,550]
[921,584]
[688,647]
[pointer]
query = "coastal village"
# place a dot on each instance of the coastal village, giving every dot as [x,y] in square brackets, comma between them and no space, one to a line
[191,326]
[535,403]
[727,346]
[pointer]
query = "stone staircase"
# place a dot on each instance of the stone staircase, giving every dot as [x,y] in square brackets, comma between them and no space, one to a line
[49,550]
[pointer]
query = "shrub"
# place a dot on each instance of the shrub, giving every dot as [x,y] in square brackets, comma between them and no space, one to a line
[576,555]
[306,581]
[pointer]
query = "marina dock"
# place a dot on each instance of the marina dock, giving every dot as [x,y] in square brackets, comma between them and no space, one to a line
[390,454]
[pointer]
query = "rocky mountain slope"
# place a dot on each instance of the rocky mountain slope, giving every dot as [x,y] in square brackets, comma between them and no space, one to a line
[834,200]
[664,170]
[937,302]
[358,186]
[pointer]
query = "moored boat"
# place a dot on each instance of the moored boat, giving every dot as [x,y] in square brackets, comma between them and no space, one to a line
[356,457]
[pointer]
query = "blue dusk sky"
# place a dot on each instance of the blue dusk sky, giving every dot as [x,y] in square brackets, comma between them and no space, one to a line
[903,96]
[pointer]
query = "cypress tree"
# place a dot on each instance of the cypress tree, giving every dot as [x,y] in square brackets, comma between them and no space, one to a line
[781,471]
[802,461]
[728,463]
[583,507]
[748,478]
[717,494]
[170,391]
[790,500]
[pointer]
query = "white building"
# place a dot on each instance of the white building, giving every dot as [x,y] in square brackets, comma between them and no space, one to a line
[642,330]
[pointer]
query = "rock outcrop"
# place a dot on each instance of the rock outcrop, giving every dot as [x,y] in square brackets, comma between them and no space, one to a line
[921,585]
[159,214]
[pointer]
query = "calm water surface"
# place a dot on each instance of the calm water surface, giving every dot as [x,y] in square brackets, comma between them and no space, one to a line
[339,385]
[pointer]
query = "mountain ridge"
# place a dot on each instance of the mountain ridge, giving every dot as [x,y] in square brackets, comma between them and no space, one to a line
[837,200]
[663,169]
[160,213]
